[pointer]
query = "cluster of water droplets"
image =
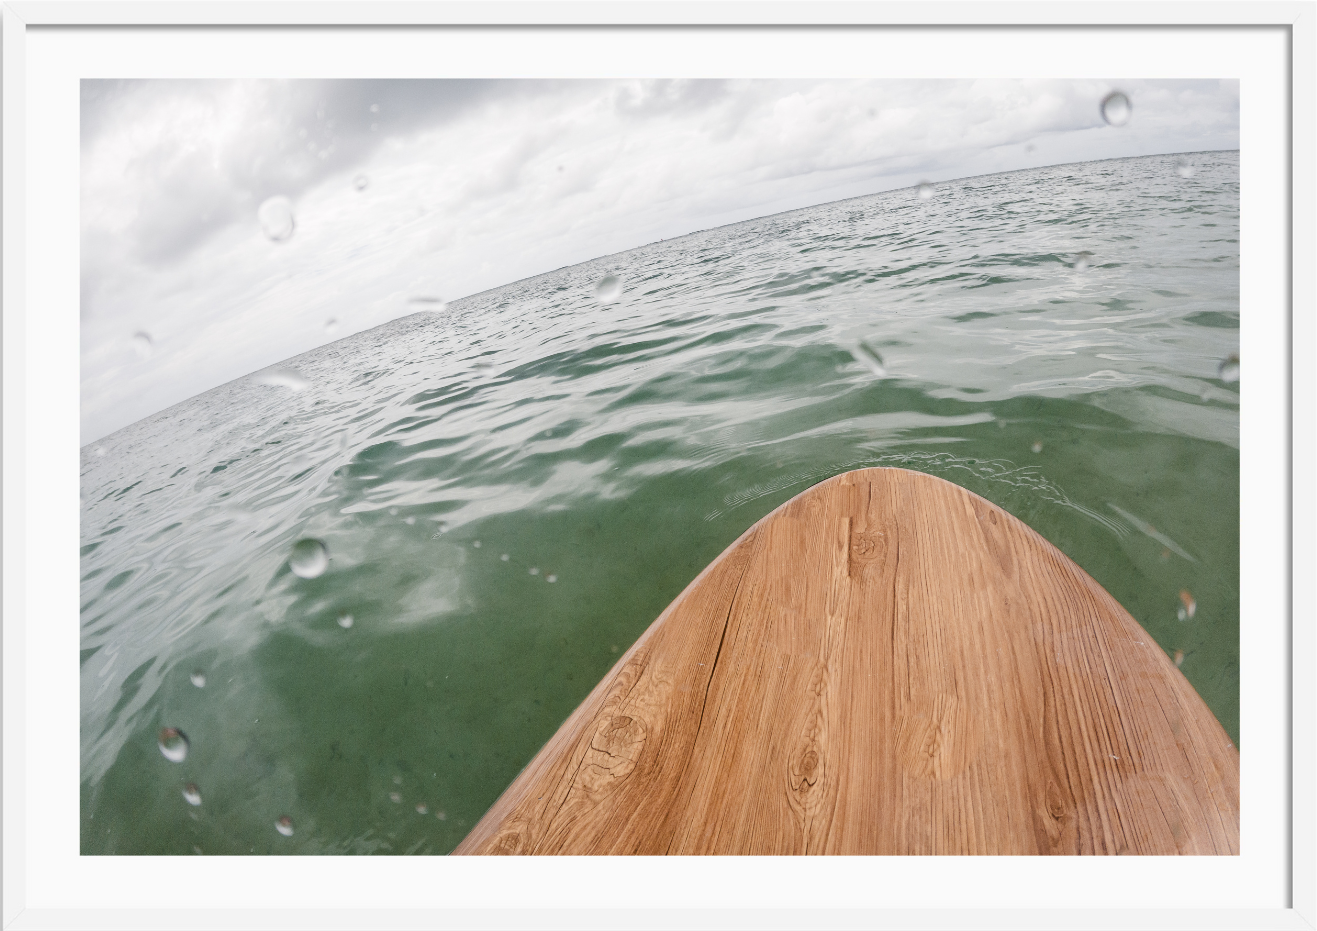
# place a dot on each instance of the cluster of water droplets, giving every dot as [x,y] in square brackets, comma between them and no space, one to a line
[507,557]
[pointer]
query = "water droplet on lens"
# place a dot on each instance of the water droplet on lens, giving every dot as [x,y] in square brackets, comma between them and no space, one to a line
[395,797]
[1228,371]
[476,544]
[534,570]
[284,826]
[331,326]
[393,512]
[173,744]
[609,289]
[866,354]
[345,621]
[360,182]
[1037,446]
[504,557]
[282,378]
[1116,108]
[198,678]
[1081,261]
[308,559]
[1179,658]
[1190,605]
[142,344]
[1183,168]
[421,809]
[191,794]
[276,218]
[924,189]
[441,815]
[397,780]
[409,520]
[550,578]
[1180,613]
[98,451]
[374,108]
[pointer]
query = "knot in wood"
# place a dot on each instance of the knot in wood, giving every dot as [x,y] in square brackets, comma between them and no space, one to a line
[867,545]
[1055,801]
[806,770]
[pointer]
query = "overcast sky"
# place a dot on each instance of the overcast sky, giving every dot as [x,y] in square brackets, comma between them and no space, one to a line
[472,184]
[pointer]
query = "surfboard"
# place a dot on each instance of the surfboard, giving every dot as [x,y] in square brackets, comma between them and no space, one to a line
[885,664]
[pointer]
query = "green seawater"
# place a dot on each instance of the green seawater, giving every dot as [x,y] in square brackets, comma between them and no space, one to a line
[616,448]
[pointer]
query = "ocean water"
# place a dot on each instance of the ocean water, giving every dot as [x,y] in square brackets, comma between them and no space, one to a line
[510,489]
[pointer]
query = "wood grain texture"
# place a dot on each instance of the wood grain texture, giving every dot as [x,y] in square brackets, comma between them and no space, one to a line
[886,664]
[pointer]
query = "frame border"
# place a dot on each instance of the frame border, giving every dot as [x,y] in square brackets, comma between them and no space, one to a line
[1298,16]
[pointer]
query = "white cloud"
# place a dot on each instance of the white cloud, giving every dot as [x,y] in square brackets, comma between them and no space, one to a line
[474,184]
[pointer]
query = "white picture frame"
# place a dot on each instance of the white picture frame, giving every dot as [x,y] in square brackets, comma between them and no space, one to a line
[46,882]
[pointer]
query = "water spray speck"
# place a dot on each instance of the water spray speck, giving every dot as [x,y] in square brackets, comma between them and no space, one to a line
[608,289]
[308,559]
[1116,108]
[173,744]
[276,218]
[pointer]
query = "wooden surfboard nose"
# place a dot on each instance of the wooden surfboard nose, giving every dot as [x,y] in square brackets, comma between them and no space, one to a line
[886,664]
